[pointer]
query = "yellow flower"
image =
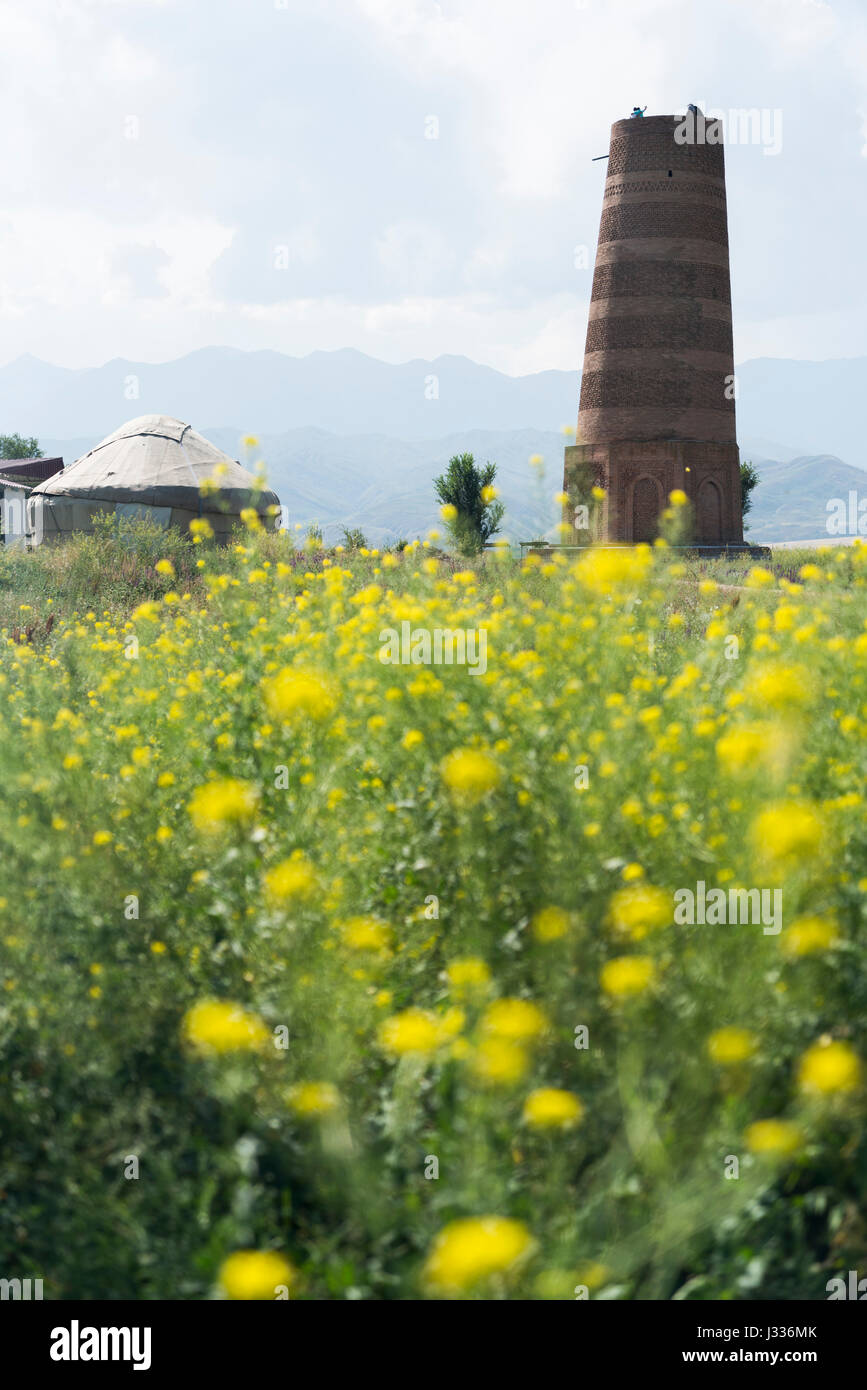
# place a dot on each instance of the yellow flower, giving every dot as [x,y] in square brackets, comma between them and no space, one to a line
[677,497]
[201,529]
[291,693]
[625,976]
[774,1137]
[780,687]
[749,747]
[808,935]
[516,1019]
[102,837]
[827,1067]
[366,934]
[314,1098]
[729,1046]
[470,775]
[759,578]
[165,567]
[450,1022]
[550,923]
[787,832]
[640,909]
[413,1031]
[490,494]
[613,571]
[448,512]
[218,1025]
[468,975]
[258,1274]
[293,880]
[370,594]
[550,1108]
[411,739]
[469,1251]
[224,800]
[499,1062]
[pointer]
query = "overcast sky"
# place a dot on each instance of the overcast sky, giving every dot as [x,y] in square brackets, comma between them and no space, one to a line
[260,173]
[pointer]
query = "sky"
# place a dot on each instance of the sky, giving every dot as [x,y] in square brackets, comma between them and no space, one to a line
[405,177]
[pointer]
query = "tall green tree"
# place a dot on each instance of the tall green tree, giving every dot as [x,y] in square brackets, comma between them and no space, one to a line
[468,497]
[15,446]
[749,478]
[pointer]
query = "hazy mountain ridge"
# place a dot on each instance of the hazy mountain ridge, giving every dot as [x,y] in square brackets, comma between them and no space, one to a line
[352,441]
[344,392]
[814,405]
[791,501]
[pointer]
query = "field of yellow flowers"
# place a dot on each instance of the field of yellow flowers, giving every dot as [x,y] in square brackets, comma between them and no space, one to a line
[330,978]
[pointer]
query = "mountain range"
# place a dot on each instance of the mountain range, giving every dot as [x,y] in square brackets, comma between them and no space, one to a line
[349,440]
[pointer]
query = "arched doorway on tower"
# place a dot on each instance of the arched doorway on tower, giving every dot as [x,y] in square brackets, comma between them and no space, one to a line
[646,506]
[709,513]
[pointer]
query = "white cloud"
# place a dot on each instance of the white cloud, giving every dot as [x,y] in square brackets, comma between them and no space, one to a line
[414,254]
[122,61]
[304,128]
[71,269]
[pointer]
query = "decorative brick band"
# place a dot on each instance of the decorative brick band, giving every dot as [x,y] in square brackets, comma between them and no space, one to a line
[683,328]
[673,250]
[673,357]
[644,306]
[712,190]
[698,221]
[639,154]
[667,279]
[643,422]
[677,387]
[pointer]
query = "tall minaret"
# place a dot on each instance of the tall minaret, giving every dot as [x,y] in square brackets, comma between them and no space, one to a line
[657,408]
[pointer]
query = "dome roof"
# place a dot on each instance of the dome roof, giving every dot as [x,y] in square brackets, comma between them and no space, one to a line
[157,461]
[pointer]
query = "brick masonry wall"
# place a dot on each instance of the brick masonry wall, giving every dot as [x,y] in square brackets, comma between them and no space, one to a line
[709,474]
[659,359]
[623,220]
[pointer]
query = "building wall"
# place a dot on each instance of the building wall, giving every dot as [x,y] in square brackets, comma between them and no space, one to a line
[659,361]
[13,520]
[52,519]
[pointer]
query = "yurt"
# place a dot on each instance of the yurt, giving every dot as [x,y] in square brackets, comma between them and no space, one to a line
[155,467]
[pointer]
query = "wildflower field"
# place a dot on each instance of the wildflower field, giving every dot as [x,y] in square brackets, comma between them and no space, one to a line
[330,978]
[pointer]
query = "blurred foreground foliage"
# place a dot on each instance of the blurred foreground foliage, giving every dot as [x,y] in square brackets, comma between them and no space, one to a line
[289,930]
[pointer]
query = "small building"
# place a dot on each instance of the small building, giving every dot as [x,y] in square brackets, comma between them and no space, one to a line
[13,510]
[32,472]
[18,477]
[155,467]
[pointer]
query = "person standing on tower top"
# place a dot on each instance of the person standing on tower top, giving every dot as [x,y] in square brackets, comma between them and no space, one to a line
[637,112]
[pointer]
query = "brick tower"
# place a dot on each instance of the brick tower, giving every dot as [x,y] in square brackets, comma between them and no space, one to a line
[657,408]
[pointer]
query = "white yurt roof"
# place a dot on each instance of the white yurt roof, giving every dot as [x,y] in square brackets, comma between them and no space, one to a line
[155,461]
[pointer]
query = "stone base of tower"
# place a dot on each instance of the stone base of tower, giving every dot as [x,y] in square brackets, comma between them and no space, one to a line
[638,477]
